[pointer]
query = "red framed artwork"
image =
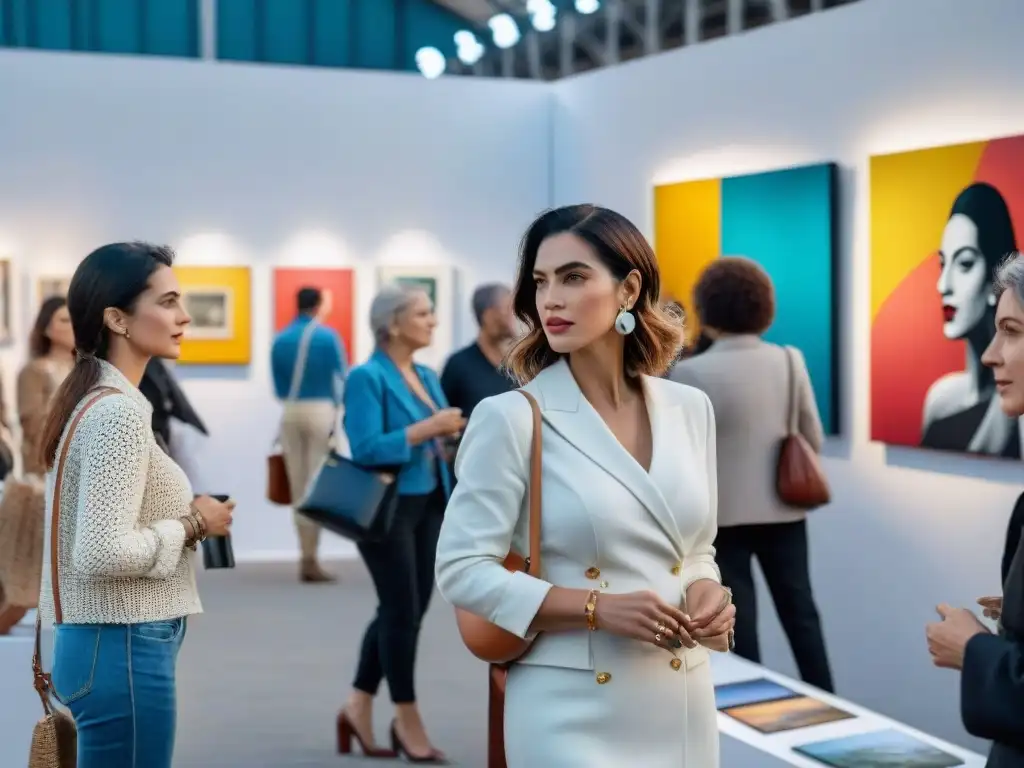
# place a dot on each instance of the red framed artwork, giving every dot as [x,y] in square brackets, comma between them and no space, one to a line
[336,282]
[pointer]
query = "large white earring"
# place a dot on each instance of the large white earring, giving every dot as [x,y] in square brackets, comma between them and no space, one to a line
[625,323]
[991,299]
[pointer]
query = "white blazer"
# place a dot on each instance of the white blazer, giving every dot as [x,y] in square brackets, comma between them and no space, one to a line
[607,524]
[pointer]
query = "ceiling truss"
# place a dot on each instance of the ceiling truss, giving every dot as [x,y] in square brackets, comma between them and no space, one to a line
[621,30]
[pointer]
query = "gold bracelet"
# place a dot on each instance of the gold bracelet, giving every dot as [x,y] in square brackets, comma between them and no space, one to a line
[200,523]
[590,610]
[190,531]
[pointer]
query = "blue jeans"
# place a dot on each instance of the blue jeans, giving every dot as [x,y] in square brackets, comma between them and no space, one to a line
[118,682]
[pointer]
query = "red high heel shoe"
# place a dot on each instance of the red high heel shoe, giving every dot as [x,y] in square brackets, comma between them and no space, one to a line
[436,757]
[347,732]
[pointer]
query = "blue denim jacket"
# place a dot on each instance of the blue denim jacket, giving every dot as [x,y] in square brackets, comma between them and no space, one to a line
[379,406]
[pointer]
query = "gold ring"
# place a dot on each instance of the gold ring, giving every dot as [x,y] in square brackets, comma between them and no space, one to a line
[662,628]
[657,637]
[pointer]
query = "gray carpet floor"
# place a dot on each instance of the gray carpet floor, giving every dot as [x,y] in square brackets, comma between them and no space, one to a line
[264,670]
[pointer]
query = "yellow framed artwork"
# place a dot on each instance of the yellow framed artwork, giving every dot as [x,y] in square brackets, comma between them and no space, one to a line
[219,299]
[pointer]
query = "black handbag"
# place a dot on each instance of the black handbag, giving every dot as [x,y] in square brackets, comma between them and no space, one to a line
[351,500]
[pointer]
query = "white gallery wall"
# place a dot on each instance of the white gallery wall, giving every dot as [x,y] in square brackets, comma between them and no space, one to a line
[908,529]
[262,166]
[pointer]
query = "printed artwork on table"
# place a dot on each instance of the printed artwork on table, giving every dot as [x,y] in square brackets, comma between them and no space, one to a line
[754,691]
[784,220]
[786,714]
[887,748]
[337,286]
[438,283]
[942,219]
[219,301]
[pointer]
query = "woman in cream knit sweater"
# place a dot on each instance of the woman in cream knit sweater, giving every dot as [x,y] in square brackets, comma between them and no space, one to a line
[121,582]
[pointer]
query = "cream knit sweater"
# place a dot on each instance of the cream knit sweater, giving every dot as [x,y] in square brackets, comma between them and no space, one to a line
[121,554]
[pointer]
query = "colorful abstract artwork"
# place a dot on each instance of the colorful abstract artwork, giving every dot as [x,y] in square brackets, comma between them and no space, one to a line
[785,220]
[337,287]
[219,301]
[878,749]
[941,221]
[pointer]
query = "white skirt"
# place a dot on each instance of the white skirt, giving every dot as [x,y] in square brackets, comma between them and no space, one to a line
[646,714]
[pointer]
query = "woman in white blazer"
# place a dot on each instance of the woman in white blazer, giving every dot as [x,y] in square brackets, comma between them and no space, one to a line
[629,513]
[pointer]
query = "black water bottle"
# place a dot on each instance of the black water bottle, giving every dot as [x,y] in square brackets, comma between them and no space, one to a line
[217,550]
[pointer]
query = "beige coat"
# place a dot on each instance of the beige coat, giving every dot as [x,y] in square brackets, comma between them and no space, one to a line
[38,381]
[747,380]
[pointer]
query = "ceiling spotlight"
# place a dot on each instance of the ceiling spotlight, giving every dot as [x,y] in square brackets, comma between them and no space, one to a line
[430,62]
[587,6]
[542,14]
[468,49]
[504,30]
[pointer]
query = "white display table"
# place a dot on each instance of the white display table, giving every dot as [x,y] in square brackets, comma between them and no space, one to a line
[770,749]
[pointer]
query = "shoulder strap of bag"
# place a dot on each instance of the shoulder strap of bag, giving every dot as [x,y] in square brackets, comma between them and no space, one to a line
[791,379]
[300,359]
[536,471]
[42,680]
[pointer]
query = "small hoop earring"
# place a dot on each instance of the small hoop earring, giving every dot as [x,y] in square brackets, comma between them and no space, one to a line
[625,322]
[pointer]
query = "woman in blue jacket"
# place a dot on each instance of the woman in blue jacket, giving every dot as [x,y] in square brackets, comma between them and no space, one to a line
[397,415]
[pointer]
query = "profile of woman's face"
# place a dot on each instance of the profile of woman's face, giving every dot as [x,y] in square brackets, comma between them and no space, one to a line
[415,324]
[60,332]
[1005,354]
[157,323]
[964,284]
[578,297]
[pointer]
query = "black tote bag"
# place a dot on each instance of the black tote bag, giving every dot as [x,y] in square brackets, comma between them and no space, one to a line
[351,500]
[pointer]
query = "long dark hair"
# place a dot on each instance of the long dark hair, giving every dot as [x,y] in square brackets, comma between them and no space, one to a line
[111,276]
[39,343]
[985,206]
[621,247]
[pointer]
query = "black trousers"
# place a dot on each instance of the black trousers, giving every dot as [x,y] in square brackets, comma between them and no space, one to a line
[402,569]
[781,551]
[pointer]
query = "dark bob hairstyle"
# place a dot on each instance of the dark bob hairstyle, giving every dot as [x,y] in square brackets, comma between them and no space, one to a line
[735,295]
[111,276]
[38,342]
[655,342]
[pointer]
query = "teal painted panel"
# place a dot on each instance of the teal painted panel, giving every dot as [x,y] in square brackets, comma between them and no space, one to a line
[160,27]
[236,30]
[52,26]
[430,25]
[172,27]
[117,26]
[332,32]
[377,23]
[285,27]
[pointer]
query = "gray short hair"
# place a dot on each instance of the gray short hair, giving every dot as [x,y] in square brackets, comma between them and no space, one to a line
[390,302]
[485,297]
[1010,277]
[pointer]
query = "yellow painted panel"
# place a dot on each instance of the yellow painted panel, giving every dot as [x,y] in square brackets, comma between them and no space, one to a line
[911,194]
[220,301]
[687,237]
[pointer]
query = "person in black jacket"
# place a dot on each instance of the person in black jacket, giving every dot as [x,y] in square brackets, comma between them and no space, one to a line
[168,401]
[992,665]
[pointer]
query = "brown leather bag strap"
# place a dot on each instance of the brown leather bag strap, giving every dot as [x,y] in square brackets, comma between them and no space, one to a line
[536,471]
[42,680]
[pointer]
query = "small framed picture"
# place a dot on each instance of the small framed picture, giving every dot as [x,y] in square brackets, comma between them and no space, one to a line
[49,286]
[211,310]
[438,282]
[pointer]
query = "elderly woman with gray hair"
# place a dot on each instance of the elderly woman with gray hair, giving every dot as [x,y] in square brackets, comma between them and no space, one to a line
[396,415]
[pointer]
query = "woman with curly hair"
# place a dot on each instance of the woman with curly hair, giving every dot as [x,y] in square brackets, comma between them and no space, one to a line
[751,384]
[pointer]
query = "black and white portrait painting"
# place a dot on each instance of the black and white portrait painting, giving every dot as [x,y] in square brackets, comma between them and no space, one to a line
[211,312]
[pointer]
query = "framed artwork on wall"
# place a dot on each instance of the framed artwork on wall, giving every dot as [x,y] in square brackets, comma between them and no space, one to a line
[786,221]
[6,281]
[438,283]
[50,285]
[338,288]
[219,300]
[941,220]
